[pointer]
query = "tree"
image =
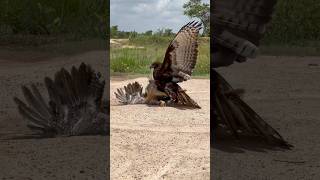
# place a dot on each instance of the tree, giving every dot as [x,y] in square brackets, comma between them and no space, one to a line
[159,32]
[148,33]
[197,9]
[114,31]
[167,32]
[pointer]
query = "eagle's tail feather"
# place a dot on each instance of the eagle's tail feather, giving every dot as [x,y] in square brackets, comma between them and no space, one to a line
[185,100]
[238,117]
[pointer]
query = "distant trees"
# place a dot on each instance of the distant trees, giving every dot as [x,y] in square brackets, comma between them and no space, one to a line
[116,33]
[197,9]
[148,33]
[164,32]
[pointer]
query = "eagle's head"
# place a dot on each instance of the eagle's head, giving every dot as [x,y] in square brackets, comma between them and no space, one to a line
[155,65]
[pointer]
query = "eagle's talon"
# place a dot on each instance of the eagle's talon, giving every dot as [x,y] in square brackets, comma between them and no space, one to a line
[162,103]
[186,77]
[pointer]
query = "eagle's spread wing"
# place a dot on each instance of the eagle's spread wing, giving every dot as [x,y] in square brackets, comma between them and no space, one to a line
[181,55]
[238,27]
[75,104]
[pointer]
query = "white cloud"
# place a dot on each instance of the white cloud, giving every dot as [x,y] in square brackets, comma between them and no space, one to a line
[140,8]
[162,4]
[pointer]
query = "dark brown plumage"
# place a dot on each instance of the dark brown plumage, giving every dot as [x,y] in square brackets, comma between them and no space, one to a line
[239,26]
[178,64]
[132,94]
[235,116]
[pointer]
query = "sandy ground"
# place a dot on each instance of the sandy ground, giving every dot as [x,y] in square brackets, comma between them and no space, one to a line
[285,91]
[150,142]
[165,142]
[57,158]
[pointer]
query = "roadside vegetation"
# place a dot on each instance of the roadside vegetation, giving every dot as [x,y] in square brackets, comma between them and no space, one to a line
[32,23]
[135,55]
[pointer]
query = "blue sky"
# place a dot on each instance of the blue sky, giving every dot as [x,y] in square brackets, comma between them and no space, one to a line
[143,15]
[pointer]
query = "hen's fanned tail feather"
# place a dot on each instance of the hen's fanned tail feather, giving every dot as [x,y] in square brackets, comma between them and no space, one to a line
[75,104]
[132,94]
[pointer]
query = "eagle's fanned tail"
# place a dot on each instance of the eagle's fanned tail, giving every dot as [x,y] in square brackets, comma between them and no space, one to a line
[234,114]
[185,100]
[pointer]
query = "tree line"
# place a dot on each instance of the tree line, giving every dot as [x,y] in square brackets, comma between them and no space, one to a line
[116,33]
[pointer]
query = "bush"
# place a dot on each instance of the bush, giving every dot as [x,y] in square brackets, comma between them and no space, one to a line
[295,22]
[79,18]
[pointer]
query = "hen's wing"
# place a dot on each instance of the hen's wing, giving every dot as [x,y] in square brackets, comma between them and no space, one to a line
[181,55]
[238,27]
[237,116]
[75,106]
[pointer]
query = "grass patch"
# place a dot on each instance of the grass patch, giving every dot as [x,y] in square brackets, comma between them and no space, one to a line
[137,60]
[130,60]
[301,48]
[21,52]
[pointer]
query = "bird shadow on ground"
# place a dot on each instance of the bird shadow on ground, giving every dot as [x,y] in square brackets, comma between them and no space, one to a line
[157,106]
[243,144]
[6,137]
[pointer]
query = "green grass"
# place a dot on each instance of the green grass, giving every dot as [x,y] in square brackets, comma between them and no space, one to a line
[138,60]
[75,19]
[289,50]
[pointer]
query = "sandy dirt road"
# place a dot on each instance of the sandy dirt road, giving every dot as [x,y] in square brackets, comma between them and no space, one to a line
[150,142]
[285,91]
[57,158]
[147,144]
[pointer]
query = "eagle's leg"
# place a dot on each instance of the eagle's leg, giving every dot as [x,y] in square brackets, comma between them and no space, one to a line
[171,90]
[162,103]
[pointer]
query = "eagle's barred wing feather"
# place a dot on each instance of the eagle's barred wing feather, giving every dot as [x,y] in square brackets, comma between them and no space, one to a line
[182,52]
[239,26]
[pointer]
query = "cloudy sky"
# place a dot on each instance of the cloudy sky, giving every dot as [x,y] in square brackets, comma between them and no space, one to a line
[143,15]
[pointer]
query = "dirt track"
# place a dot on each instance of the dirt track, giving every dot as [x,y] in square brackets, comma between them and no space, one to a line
[58,158]
[150,142]
[147,144]
[285,91]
